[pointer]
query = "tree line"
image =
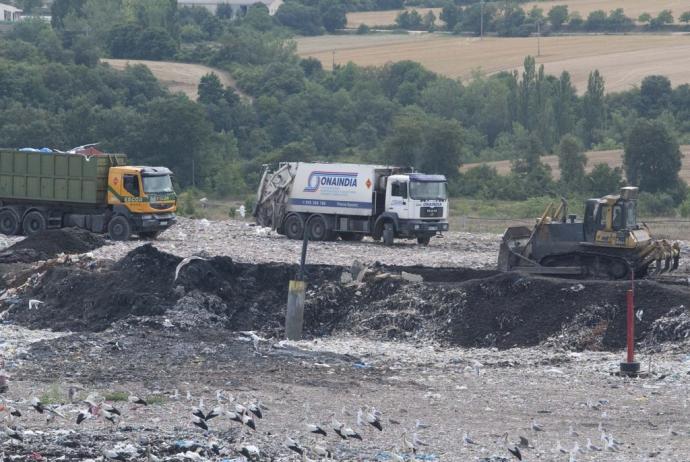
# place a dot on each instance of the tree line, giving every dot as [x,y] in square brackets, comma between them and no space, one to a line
[54,92]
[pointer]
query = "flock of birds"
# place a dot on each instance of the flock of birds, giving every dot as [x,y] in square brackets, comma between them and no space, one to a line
[368,419]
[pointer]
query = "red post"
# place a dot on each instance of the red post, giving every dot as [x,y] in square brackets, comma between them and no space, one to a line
[631,326]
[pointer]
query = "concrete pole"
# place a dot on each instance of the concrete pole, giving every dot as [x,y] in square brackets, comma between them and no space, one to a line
[294,319]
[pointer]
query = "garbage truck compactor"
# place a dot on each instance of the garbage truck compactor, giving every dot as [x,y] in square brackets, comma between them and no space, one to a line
[351,201]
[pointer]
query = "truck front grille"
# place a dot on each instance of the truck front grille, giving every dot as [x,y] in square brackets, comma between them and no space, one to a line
[431,212]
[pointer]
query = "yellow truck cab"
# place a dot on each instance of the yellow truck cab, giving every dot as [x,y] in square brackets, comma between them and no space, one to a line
[143,195]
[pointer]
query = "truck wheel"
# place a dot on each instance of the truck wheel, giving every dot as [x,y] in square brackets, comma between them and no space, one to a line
[34,222]
[294,227]
[317,229]
[423,240]
[9,223]
[119,228]
[388,234]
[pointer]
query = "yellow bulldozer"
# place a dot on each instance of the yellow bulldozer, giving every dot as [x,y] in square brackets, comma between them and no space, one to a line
[608,243]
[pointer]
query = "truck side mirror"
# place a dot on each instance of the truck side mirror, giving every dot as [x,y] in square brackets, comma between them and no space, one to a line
[403,190]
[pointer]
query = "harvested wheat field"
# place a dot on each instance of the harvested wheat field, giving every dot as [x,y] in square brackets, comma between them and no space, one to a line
[382,18]
[624,60]
[613,158]
[177,77]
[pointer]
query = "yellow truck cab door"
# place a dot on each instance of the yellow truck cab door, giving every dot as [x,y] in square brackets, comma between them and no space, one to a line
[124,188]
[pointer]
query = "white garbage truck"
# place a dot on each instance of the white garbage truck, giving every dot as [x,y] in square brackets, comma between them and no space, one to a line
[350,201]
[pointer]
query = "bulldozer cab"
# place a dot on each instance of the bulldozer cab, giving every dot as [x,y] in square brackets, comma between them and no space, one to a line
[610,220]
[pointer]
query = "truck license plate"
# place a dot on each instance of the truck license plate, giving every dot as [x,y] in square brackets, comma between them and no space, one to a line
[432,228]
[164,222]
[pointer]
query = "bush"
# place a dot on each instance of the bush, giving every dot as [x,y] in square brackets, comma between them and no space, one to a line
[656,205]
[363,29]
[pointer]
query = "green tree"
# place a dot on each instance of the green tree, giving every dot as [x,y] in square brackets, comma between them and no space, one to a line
[258,17]
[450,14]
[429,21]
[571,162]
[645,18]
[664,17]
[603,180]
[575,21]
[558,15]
[60,9]
[596,21]
[685,17]
[28,6]
[333,15]
[655,95]
[652,158]
[593,109]
[304,19]
[210,89]
[618,21]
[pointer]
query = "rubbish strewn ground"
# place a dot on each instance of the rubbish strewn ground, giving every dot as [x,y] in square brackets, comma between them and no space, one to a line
[463,349]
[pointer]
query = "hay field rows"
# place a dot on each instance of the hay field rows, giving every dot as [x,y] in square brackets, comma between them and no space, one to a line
[177,77]
[632,8]
[624,60]
[614,158]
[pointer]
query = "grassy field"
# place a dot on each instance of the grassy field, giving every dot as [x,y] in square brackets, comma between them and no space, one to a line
[623,59]
[632,8]
[178,77]
[613,158]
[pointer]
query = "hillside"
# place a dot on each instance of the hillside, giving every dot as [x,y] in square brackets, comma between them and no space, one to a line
[613,158]
[177,77]
[624,60]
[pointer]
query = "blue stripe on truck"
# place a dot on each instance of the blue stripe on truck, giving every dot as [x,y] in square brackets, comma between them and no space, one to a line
[324,203]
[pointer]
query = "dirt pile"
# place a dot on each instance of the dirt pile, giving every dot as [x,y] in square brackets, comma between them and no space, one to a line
[453,306]
[50,243]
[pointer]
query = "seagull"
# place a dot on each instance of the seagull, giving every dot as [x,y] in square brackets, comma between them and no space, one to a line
[536,427]
[13,411]
[293,445]
[110,416]
[524,442]
[417,442]
[371,419]
[638,315]
[198,411]
[234,416]
[12,433]
[316,429]
[337,426]
[113,455]
[420,425]
[572,433]
[33,304]
[591,446]
[136,400]
[322,452]
[82,416]
[255,408]
[466,440]
[248,421]
[36,404]
[249,451]
[184,263]
[515,451]
[199,422]
[215,412]
[407,444]
[350,433]
[189,395]
[611,445]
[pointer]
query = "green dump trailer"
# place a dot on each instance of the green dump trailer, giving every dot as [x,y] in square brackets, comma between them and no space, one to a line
[91,190]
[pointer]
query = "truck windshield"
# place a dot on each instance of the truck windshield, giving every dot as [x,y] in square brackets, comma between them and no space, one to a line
[428,190]
[157,184]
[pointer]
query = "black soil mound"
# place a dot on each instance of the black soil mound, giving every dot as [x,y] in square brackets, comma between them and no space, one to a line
[50,243]
[459,307]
